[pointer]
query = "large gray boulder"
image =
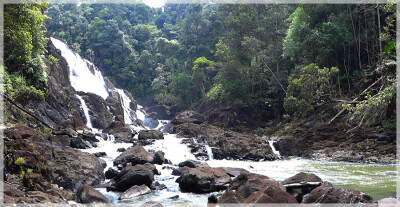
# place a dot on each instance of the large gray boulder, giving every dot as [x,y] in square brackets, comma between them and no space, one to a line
[130,176]
[188,116]
[203,179]
[134,155]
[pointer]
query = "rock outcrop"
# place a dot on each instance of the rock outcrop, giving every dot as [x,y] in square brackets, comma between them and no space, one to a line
[254,188]
[87,194]
[150,134]
[203,179]
[130,176]
[134,155]
[188,117]
[134,192]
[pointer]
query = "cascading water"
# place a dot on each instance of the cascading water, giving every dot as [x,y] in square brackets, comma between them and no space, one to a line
[209,152]
[125,102]
[271,144]
[85,111]
[350,175]
[80,75]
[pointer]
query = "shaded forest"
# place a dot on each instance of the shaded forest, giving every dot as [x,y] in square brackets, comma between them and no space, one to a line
[273,62]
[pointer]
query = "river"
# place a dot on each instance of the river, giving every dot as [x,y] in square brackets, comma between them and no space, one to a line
[375,179]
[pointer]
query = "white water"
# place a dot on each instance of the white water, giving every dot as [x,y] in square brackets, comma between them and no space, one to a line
[125,101]
[271,144]
[209,152]
[85,111]
[340,174]
[81,78]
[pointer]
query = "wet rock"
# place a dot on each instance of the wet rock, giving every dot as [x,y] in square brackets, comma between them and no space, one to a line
[174,197]
[299,191]
[159,158]
[188,116]
[99,114]
[157,186]
[270,194]
[134,155]
[192,164]
[88,194]
[152,168]
[120,132]
[121,150]
[324,194]
[110,173]
[130,176]
[89,137]
[73,168]
[167,128]
[152,204]
[134,192]
[234,172]
[103,163]
[100,154]
[248,183]
[150,134]
[203,179]
[79,143]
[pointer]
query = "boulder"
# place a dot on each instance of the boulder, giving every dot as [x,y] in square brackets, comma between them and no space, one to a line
[152,168]
[192,164]
[234,172]
[152,204]
[100,154]
[270,194]
[304,188]
[159,157]
[130,176]
[79,143]
[203,179]
[134,192]
[246,184]
[121,132]
[328,194]
[302,177]
[73,168]
[307,182]
[87,194]
[103,163]
[110,173]
[288,146]
[188,117]
[150,134]
[134,155]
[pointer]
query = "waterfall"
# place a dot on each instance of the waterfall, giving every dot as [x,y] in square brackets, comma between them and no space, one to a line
[271,144]
[80,74]
[85,111]
[125,102]
[209,152]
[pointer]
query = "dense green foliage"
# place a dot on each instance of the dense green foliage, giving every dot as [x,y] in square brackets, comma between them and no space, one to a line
[25,75]
[271,59]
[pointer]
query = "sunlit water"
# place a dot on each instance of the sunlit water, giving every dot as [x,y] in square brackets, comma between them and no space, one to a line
[377,180]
